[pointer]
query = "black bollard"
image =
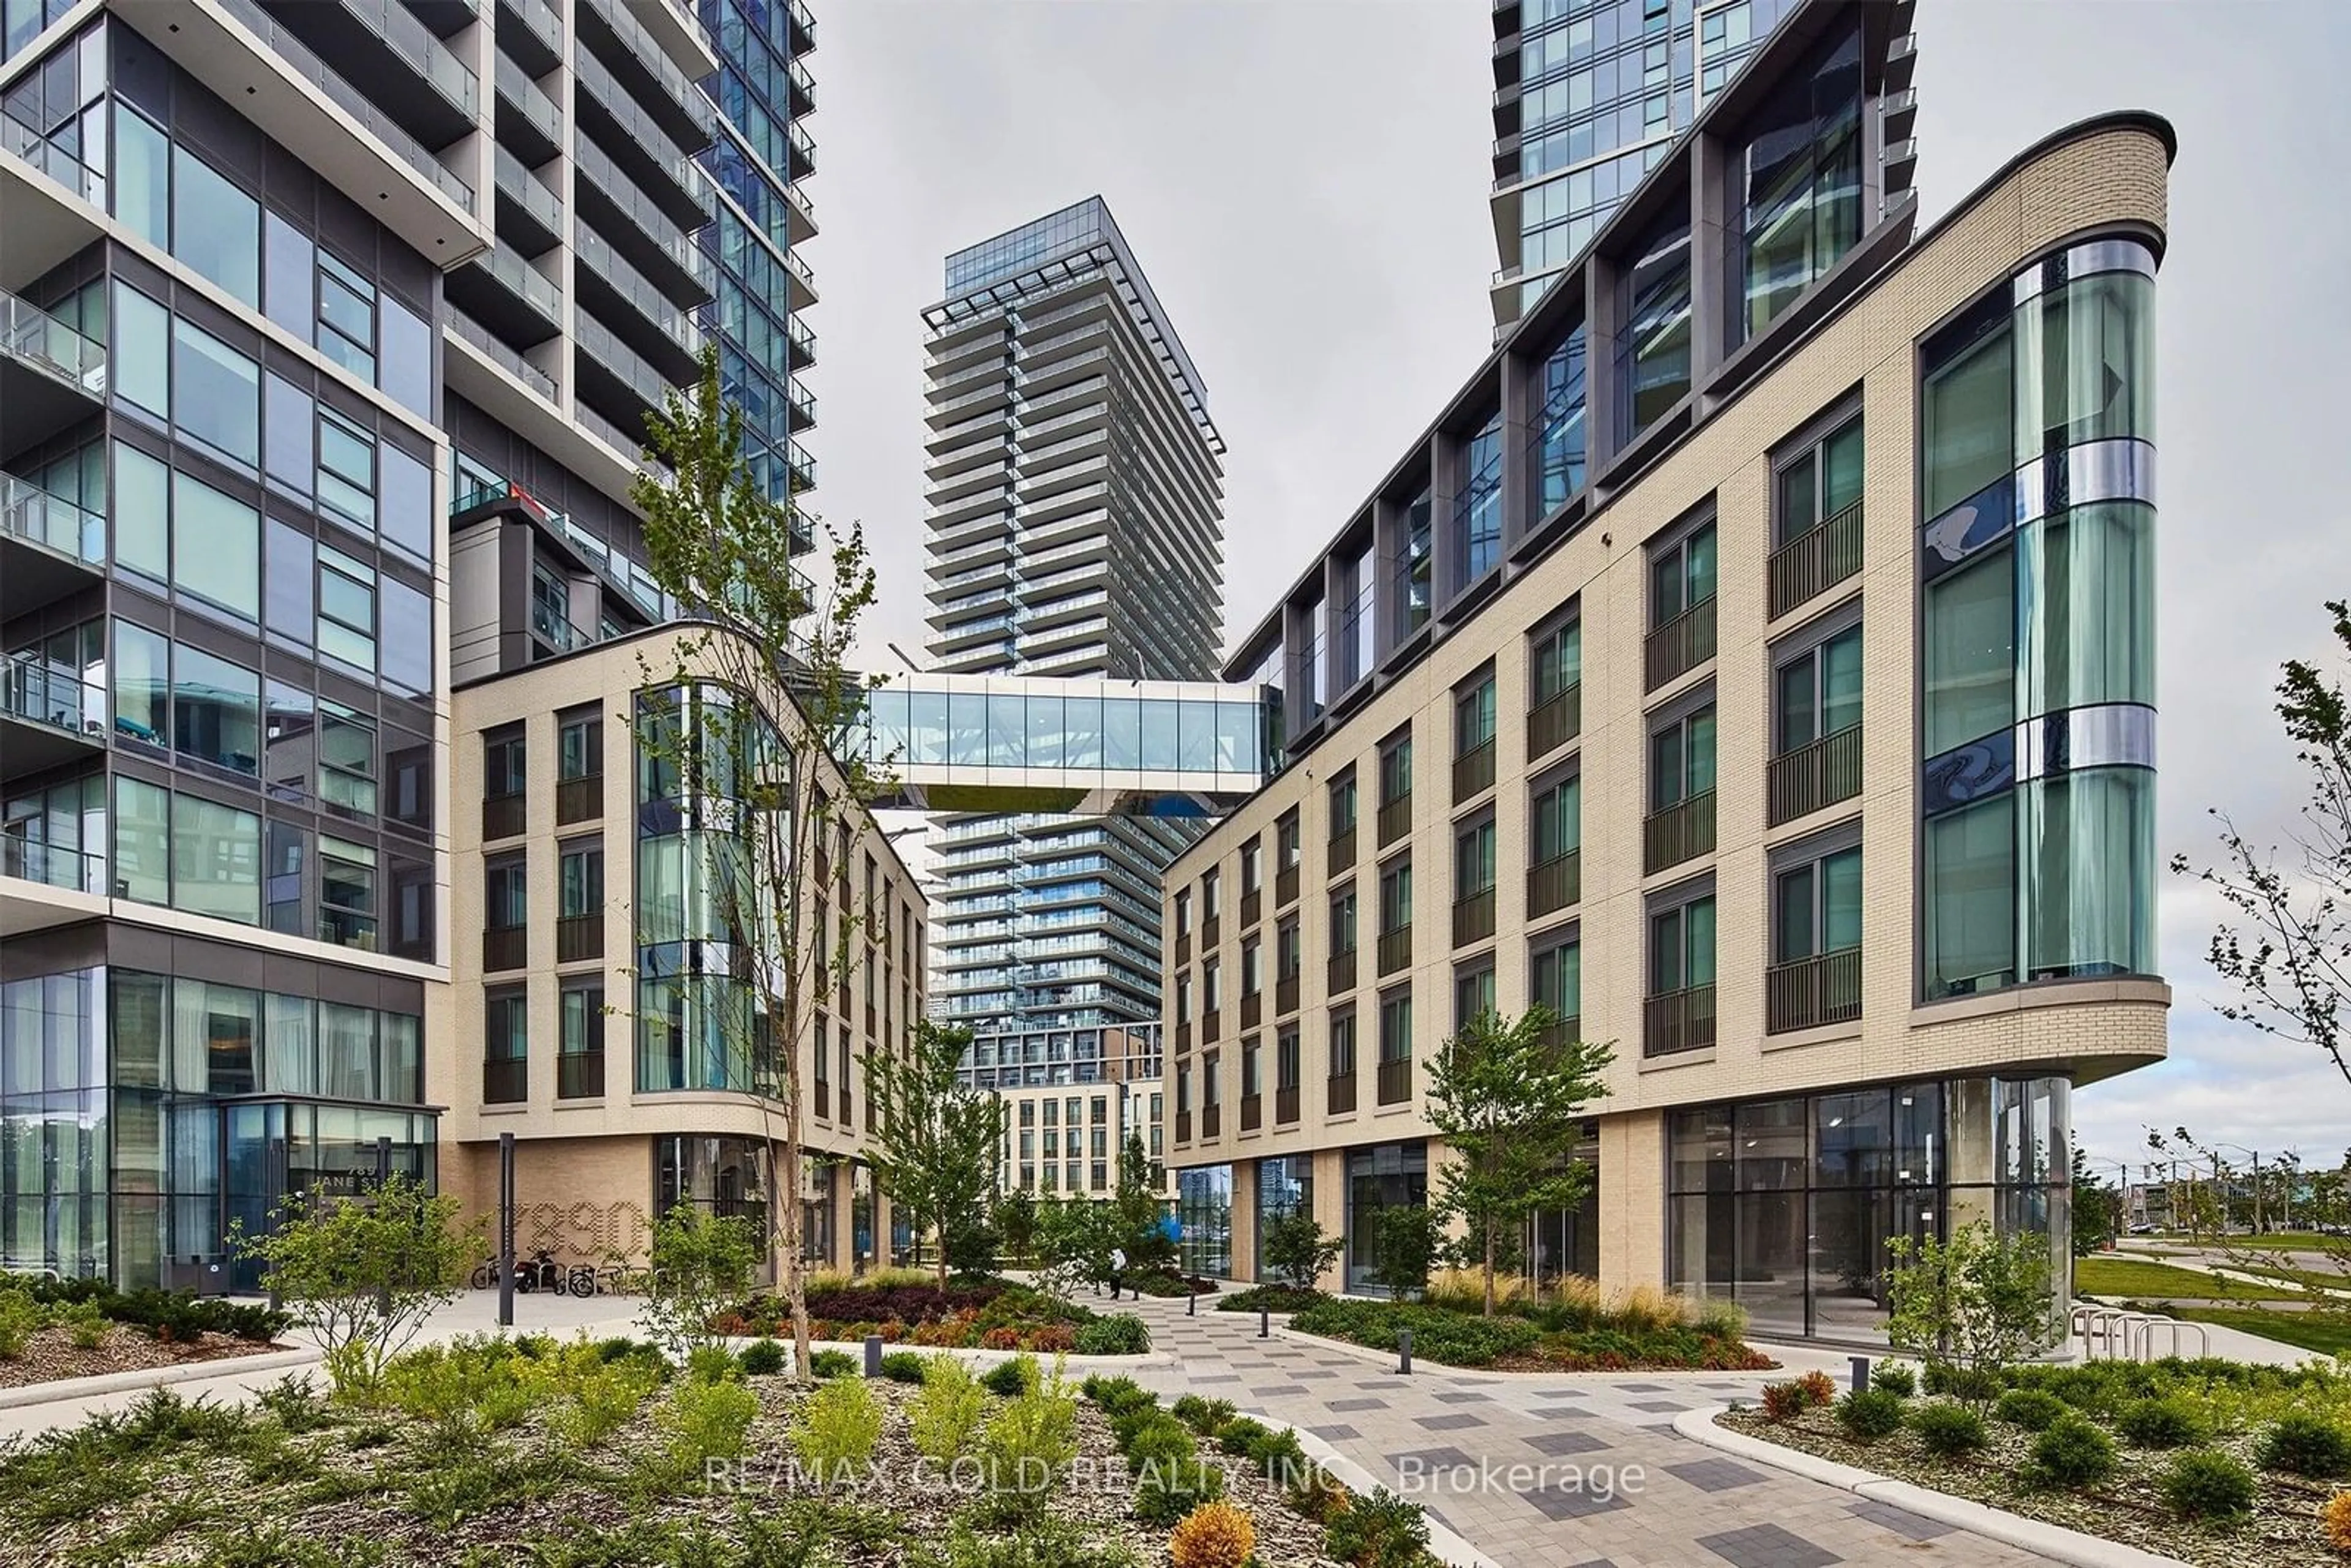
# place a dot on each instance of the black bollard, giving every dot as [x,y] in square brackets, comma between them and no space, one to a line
[1265,1323]
[1191,1300]
[1860,1373]
[874,1355]
[1403,1351]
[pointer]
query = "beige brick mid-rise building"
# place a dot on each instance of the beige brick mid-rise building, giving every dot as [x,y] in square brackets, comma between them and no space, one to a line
[1752,664]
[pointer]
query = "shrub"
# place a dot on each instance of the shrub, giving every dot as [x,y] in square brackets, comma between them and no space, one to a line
[944,1417]
[762,1358]
[1117,1395]
[1271,1298]
[1786,1401]
[714,1363]
[1819,1387]
[706,1421]
[1238,1436]
[1454,1339]
[2071,1453]
[1894,1378]
[1206,1416]
[1720,1317]
[1977,1385]
[2034,1410]
[1382,1531]
[2205,1483]
[904,1366]
[1171,1479]
[2167,1423]
[1032,1437]
[832,1364]
[1949,1430]
[1213,1535]
[837,1430]
[85,1324]
[604,1397]
[2334,1518]
[1011,1378]
[1119,1335]
[1869,1414]
[19,1316]
[2306,1444]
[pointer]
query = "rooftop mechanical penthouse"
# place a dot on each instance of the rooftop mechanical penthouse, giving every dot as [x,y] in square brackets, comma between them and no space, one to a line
[1753,665]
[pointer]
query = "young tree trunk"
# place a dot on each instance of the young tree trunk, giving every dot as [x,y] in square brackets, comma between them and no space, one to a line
[1490,1268]
[795,1277]
[943,1251]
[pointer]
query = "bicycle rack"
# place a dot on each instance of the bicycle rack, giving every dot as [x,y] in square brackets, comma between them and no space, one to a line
[2102,1332]
[2147,1330]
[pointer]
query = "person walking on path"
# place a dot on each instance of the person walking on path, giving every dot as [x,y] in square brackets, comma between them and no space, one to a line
[1117,1268]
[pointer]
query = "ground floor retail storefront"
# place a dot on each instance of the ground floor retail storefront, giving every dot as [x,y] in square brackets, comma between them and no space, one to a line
[1786,1206]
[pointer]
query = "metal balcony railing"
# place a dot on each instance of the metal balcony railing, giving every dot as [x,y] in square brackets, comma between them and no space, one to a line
[1554,883]
[1252,1113]
[1555,721]
[1473,772]
[1285,995]
[1339,1094]
[53,865]
[1816,776]
[1343,851]
[1677,833]
[506,1080]
[1396,818]
[1252,1009]
[1473,918]
[39,693]
[413,41]
[1212,1122]
[1339,973]
[578,800]
[1212,1026]
[30,334]
[1816,560]
[1252,907]
[1395,1081]
[1395,950]
[1285,1104]
[1678,1020]
[500,353]
[580,1075]
[579,937]
[1680,645]
[505,947]
[1823,989]
[1285,886]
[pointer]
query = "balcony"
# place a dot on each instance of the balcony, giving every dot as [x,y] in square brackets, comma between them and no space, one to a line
[500,353]
[1395,950]
[53,865]
[1285,886]
[1473,918]
[527,120]
[1816,560]
[1814,777]
[420,84]
[625,299]
[1183,1126]
[1677,833]
[1678,1021]
[506,1080]
[580,937]
[1285,995]
[1212,1026]
[1395,1081]
[1253,1009]
[50,375]
[1396,818]
[580,1075]
[1555,883]
[1212,1122]
[1555,721]
[657,83]
[1339,977]
[1564,1029]
[578,800]
[504,947]
[637,141]
[1252,907]
[529,215]
[67,715]
[508,295]
[1339,1095]
[530,31]
[1678,646]
[1252,1113]
[503,816]
[1809,992]
[1473,772]
[634,224]
[1343,851]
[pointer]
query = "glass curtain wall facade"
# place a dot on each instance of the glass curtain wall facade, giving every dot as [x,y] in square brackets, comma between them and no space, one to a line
[1786,1206]
[2038,629]
[1204,1209]
[1590,94]
[1386,1176]
[1284,1186]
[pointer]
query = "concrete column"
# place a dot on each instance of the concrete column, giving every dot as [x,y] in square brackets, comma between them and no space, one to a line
[1521,415]
[1713,304]
[1604,419]
[1330,1207]
[1245,1220]
[1447,468]
[1388,570]
[1632,1208]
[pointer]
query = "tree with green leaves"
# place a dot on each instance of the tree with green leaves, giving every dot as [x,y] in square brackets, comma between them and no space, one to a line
[1016,1224]
[746,727]
[1137,1209]
[936,1142]
[2098,1216]
[363,1273]
[703,1264]
[1298,1251]
[1406,1237]
[1972,1305]
[1509,1101]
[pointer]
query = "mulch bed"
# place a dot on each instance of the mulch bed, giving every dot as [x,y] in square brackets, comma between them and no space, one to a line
[2283,1532]
[50,1355]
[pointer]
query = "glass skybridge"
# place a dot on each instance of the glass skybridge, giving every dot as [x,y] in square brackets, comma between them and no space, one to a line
[1080,748]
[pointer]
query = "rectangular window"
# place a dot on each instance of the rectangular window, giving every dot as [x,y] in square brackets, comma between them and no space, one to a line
[1970,652]
[1819,691]
[1212,884]
[1822,481]
[347,894]
[1682,575]
[215,227]
[1473,860]
[140,365]
[1396,1027]
[216,553]
[1289,951]
[347,775]
[581,1021]
[346,317]
[1212,986]
[1557,658]
[142,684]
[1288,842]
[1657,318]
[1184,912]
[143,513]
[215,860]
[1971,904]
[142,176]
[1342,1045]
[289,436]
[505,1027]
[215,711]
[1555,979]
[580,879]
[1681,759]
[142,841]
[1252,867]
[1473,719]
[288,293]
[1396,772]
[506,893]
[1252,1082]
[345,609]
[1556,820]
[215,395]
[290,581]
[1395,898]
[1681,947]
[1473,996]
[1252,967]
[347,472]
[1969,427]
[579,746]
[1817,907]
[1343,922]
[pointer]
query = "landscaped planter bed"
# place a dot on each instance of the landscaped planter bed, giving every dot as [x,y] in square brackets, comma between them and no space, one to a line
[986,1314]
[51,1330]
[2230,1407]
[50,1355]
[485,1454]
[1564,1339]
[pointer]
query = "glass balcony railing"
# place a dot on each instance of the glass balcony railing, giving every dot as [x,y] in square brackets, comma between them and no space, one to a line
[31,334]
[29,512]
[556,630]
[513,363]
[409,38]
[53,865]
[35,690]
[295,57]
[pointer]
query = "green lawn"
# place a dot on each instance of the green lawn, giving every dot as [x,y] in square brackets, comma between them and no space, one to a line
[2328,1334]
[2107,1276]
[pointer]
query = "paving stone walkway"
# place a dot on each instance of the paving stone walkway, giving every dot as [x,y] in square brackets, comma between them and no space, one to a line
[1477,1444]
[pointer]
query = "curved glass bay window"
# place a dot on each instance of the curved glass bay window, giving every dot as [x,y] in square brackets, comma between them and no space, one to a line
[2037,650]
[700,750]
[1787,1205]
[1655,354]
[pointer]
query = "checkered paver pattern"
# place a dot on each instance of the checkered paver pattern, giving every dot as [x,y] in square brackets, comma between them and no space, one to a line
[1538,1472]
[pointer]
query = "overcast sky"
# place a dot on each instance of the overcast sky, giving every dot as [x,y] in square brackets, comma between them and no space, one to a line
[1305,183]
